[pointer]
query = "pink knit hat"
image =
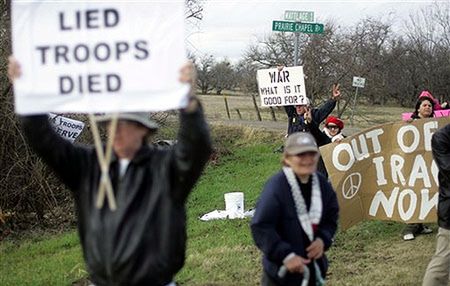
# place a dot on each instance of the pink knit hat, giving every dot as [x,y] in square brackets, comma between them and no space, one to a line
[426,93]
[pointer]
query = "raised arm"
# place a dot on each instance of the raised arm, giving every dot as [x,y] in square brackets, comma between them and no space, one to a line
[321,138]
[192,151]
[62,156]
[321,113]
[66,159]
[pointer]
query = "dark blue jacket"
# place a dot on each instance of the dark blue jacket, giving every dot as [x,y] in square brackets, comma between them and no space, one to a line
[277,230]
[296,123]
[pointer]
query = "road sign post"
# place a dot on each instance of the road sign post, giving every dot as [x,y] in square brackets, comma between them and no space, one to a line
[299,16]
[297,27]
[358,82]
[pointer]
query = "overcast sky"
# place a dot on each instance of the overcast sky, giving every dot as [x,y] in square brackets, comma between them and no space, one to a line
[228,27]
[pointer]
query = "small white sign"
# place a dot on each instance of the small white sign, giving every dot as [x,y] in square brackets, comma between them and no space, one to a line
[67,128]
[359,82]
[98,56]
[281,87]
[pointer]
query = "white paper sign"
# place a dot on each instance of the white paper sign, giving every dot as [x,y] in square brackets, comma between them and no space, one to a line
[98,56]
[67,128]
[285,87]
[359,82]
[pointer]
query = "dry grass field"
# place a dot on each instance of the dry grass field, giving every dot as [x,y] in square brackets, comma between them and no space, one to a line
[365,116]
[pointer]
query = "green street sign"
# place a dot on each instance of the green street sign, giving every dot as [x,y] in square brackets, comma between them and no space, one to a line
[308,28]
[299,16]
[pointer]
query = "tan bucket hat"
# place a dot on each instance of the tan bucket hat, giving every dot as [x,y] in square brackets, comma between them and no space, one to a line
[300,142]
[139,117]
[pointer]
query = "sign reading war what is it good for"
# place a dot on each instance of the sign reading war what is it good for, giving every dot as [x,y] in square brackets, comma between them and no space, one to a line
[92,56]
[281,87]
[386,173]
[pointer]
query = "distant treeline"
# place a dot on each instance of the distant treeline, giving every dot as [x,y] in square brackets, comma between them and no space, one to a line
[397,62]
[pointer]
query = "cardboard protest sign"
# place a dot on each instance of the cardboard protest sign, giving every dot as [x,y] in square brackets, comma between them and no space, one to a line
[285,87]
[98,56]
[437,113]
[67,128]
[386,173]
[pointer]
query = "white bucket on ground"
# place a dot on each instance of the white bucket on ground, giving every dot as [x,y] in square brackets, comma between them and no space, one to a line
[234,204]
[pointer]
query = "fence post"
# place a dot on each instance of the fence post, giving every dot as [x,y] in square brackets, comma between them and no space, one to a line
[226,106]
[258,114]
[272,112]
[239,113]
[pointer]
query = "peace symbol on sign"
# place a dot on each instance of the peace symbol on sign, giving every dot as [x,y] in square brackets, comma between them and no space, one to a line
[351,185]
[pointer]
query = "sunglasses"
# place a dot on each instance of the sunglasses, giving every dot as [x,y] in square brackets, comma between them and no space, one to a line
[332,127]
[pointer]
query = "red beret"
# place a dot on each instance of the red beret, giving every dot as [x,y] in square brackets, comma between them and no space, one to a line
[335,120]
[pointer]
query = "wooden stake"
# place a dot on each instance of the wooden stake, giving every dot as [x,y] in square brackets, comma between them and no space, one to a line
[105,186]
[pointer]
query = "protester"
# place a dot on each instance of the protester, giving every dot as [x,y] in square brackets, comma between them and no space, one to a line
[424,109]
[296,217]
[439,268]
[333,128]
[296,119]
[332,132]
[436,103]
[143,241]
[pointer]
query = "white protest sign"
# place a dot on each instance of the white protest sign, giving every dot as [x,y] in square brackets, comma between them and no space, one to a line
[359,82]
[98,56]
[67,128]
[285,87]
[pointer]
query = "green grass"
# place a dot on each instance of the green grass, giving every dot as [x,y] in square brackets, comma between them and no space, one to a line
[222,252]
[52,260]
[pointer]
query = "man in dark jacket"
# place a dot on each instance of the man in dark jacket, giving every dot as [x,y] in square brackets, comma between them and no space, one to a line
[296,114]
[296,217]
[439,267]
[143,241]
[299,115]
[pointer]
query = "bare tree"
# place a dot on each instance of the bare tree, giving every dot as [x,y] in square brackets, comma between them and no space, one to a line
[194,9]
[246,76]
[428,32]
[224,76]
[204,73]
[272,50]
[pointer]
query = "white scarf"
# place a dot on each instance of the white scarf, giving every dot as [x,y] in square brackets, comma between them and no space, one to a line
[338,136]
[307,219]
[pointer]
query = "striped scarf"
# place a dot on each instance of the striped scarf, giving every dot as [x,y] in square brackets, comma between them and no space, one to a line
[308,220]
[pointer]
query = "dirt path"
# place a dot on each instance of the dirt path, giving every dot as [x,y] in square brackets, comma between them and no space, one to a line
[216,114]
[275,126]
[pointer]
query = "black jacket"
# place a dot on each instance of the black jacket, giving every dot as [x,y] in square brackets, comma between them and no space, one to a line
[440,144]
[277,231]
[297,123]
[143,242]
[321,140]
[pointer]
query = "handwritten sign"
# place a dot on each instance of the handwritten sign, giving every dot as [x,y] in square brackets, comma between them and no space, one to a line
[67,128]
[386,173]
[285,87]
[98,56]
